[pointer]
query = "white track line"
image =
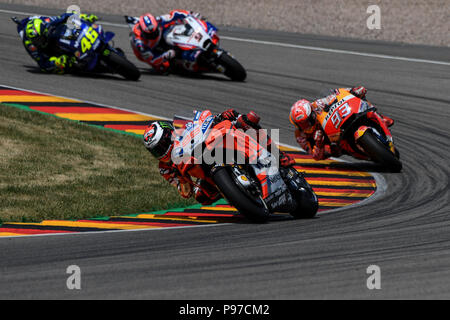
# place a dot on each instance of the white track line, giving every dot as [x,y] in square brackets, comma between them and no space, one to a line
[364,54]
[286,45]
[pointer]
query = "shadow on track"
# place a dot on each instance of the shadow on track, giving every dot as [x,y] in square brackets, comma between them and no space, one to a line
[359,166]
[77,73]
[185,74]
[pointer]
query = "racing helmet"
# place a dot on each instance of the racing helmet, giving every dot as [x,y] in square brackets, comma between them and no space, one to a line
[158,139]
[149,26]
[36,31]
[302,115]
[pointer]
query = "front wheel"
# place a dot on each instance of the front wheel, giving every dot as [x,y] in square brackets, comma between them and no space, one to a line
[233,69]
[304,195]
[122,66]
[379,152]
[251,208]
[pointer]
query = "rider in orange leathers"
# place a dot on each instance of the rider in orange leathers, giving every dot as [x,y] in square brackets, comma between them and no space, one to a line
[308,131]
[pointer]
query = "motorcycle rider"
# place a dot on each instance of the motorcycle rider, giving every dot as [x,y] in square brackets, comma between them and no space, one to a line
[309,132]
[148,42]
[38,39]
[158,139]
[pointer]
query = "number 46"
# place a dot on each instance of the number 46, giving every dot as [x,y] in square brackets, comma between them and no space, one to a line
[88,39]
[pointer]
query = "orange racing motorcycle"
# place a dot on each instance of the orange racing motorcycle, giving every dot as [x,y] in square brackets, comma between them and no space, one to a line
[354,126]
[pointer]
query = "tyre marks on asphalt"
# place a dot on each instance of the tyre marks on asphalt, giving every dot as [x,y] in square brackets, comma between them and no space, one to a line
[336,184]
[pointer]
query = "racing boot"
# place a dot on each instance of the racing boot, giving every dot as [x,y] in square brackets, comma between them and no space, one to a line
[206,194]
[286,160]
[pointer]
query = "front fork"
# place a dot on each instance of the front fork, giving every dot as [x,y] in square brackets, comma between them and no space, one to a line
[247,183]
[376,118]
[209,59]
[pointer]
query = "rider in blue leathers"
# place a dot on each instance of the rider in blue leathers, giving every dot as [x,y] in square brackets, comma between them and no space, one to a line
[39,39]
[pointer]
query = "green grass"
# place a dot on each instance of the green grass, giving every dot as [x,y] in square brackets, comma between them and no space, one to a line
[52,168]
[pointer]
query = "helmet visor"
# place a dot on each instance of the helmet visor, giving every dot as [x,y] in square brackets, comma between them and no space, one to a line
[39,41]
[308,124]
[160,150]
[150,35]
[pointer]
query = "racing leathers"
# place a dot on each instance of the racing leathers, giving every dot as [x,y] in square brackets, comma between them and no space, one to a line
[47,55]
[251,120]
[203,191]
[313,139]
[155,52]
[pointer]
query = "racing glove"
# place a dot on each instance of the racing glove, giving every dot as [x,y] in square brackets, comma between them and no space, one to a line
[229,114]
[359,91]
[324,103]
[89,18]
[250,120]
[321,153]
[285,159]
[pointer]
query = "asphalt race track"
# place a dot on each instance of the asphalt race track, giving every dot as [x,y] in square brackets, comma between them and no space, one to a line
[405,229]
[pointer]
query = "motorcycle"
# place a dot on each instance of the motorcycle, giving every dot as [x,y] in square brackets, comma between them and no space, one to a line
[252,182]
[91,47]
[354,126]
[197,45]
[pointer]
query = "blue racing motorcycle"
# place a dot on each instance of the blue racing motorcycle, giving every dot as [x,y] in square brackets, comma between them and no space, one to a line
[92,48]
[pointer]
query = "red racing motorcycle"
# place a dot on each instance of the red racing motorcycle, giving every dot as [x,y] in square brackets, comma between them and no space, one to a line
[238,166]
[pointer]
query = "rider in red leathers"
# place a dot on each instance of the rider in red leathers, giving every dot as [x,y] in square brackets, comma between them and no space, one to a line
[308,131]
[158,139]
[148,42]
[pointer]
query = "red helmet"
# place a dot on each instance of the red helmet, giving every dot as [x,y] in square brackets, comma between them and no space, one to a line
[149,26]
[302,115]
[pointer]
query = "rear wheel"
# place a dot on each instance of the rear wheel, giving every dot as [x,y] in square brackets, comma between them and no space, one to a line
[379,152]
[233,69]
[122,66]
[251,208]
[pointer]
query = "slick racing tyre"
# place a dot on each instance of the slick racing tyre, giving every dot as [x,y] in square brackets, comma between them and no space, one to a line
[251,208]
[233,69]
[304,195]
[122,66]
[379,152]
